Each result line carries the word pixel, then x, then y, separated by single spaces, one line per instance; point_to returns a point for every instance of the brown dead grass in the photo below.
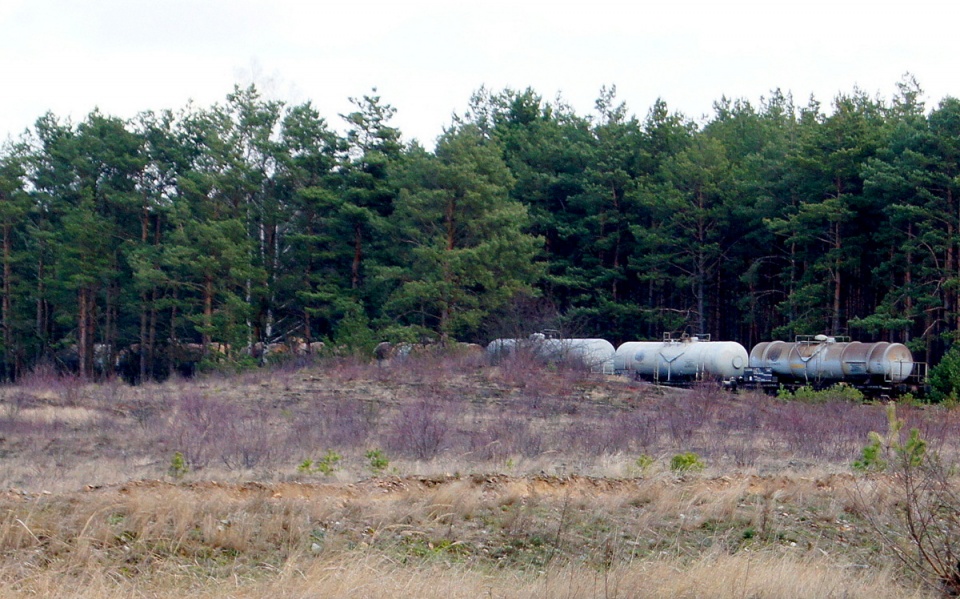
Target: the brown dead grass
pixel 495 536
pixel 364 574
pixel 90 511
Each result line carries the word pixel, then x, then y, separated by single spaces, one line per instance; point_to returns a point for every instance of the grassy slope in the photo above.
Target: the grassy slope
pixel 507 482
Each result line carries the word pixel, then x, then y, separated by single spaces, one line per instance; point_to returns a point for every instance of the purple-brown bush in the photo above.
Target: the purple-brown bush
pixel 427 406
pixel 419 429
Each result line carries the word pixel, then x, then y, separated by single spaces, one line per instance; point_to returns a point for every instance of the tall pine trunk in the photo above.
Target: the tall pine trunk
pixel 8 350
pixel 86 327
pixel 357 258
pixel 207 313
pixel 837 280
pixel 144 236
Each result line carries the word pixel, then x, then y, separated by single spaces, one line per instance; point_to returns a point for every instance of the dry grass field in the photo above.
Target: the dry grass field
pixel 442 478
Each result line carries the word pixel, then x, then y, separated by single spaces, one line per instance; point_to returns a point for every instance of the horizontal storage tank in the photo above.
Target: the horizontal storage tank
pixel 677 360
pixel 498 349
pixel 823 358
pixel 595 354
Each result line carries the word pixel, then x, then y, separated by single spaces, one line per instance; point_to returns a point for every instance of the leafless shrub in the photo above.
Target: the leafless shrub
pixel 828 431
pixel 14 404
pixel 330 422
pixel 198 425
pixel 419 430
pixel 611 432
pixel 13 424
pixel 938 427
pixel 683 419
pixel 45 380
pixel 111 393
pixel 504 435
pixel 523 369
pixel 246 441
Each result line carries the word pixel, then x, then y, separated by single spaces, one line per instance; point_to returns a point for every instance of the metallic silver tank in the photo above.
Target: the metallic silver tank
pixel 823 358
pixel 595 354
pixel 683 359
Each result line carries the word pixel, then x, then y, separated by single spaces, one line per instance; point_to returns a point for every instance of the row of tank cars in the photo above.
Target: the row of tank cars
pixel 819 361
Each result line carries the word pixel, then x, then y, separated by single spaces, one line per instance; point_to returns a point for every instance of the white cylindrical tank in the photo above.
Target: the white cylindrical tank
pixel 823 358
pixel 499 349
pixel 595 354
pixel 681 359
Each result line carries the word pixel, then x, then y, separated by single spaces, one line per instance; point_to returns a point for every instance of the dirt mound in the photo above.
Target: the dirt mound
pixel 490 485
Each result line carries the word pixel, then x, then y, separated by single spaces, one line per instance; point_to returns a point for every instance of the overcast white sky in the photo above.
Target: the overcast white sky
pixel 426 57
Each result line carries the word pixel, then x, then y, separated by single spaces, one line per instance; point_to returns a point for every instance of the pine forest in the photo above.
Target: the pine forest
pixel 255 221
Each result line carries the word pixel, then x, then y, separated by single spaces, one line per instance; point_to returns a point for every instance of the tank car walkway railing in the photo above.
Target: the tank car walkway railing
pixel 685 337
pixel 916 376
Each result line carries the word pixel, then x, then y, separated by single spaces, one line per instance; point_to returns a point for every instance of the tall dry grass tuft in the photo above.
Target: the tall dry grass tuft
pixel 724 576
pixel 588 537
pixel 459 500
pixel 366 575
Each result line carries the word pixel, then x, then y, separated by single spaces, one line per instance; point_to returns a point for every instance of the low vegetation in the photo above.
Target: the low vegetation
pixel 446 477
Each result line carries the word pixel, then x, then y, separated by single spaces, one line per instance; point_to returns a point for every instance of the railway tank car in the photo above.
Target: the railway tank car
pixel 821 361
pixel 595 354
pixel 678 361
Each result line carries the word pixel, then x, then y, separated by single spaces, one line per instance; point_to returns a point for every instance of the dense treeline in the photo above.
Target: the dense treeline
pixel 252 221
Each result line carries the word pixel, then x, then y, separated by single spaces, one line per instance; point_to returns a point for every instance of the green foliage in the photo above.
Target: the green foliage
pixel 235 363
pixel 377 461
pixel 465 252
pixel 178 466
pixel 909 453
pixel 808 394
pixel 914 450
pixel 644 462
pixel 251 220
pixel 944 378
pixel 686 462
pixel 354 332
pixel 909 399
pixel 326 465
pixel 871 460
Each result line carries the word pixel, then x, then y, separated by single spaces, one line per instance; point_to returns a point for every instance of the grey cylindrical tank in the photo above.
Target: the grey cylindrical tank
pixel 499 349
pixel 824 358
pixel 684 359
pixel 595 354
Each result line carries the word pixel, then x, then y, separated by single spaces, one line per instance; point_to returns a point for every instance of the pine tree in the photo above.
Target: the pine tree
pixel 462 247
